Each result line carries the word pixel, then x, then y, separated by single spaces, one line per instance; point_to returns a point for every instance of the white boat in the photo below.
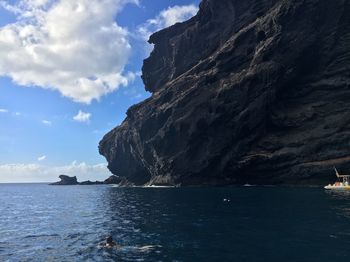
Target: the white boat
pixel 340 185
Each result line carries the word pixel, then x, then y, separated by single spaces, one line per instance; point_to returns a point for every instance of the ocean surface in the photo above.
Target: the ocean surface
pixel 69 223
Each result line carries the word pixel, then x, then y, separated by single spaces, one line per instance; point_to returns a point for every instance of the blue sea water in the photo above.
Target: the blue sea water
pixel 69 223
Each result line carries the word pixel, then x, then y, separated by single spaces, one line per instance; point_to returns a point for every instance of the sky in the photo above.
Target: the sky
pixel 69 70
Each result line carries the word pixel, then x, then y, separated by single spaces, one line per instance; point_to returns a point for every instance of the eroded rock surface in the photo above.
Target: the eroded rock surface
pixel 113 180
pixel 253 91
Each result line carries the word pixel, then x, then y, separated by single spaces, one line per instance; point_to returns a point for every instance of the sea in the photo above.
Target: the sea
pixel 70 223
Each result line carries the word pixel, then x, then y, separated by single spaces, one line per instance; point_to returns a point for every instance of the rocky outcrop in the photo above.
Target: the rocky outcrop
pixel 90 183
pixel 69 181
pixel 66 181
pixel 113 180
pixel 253 91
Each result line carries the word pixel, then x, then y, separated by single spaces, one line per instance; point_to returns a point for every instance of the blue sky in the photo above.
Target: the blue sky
pixel 55 63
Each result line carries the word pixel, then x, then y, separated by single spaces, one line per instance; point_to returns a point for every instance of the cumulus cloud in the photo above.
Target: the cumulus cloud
pixel 74 47
pixel 166 18
pixel 46 122
pixel 2 110
pixel 41 158
pixel 40 173
pixel 82 117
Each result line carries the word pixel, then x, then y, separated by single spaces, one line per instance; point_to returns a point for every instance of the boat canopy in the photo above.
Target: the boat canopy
pixel 338 175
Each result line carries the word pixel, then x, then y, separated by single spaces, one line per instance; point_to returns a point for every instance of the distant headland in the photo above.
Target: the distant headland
pixel 71 181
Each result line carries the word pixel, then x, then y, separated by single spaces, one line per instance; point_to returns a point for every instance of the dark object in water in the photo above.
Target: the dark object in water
pixel 110 243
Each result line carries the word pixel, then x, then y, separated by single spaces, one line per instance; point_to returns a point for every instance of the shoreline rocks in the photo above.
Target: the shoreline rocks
pixel 89 183
pixel 71 181
pixel 113 180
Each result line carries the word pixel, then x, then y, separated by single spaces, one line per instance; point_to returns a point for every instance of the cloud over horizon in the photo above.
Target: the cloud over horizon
pixel 74 47
pixel 40 173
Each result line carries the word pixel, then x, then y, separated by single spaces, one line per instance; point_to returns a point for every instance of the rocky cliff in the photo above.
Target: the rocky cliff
pixel 253 91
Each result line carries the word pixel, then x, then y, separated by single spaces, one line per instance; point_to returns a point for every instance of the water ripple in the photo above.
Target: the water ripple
pixel 42 223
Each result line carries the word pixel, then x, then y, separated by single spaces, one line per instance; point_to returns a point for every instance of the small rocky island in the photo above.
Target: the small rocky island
pixel 72 181
pixel 66 181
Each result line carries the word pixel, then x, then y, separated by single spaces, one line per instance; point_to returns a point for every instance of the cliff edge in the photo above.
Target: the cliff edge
pixel 253 91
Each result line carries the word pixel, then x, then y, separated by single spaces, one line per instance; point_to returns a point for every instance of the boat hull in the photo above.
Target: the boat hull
pixel 337 187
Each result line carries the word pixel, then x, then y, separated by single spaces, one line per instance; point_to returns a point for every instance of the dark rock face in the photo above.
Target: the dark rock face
pixel 69 181
pixel 113 180
pixel 90 183
pixel 66 181
pixel 254 91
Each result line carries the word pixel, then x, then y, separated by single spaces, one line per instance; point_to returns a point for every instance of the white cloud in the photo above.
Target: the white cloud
pixel 46 122
pixel 176 14
pixel 74 47
pixel 41 158
pixel 82 117
pixel 2 110
pixel 40 173
pixel 166 18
